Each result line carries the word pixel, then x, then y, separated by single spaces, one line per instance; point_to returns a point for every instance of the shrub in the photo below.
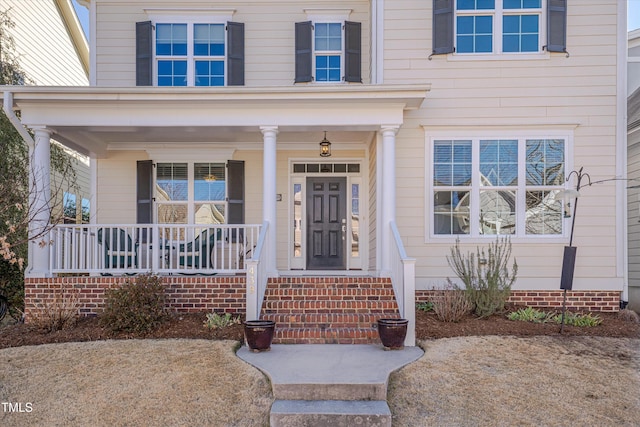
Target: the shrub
pixel 136 306
pixel 486 275
pixel 425 306
pixel 629 315
pixel 216 321
pixel 57 313
pixel 451 303
pixel 529 314
pixel 578 319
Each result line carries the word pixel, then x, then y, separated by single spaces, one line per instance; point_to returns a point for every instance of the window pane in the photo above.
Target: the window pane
pixel 210 213
pixel 497 212
pixel 475 4
pixel 209 181
pixel 520 33
pixel 451 212
pixel 208 39
pixel 545 162
pixel 544 213
pixel 171 39
pixel 297 220
pixel 328 68
pixel 474 34
pixel 209 73
pixel 172 73
pixel 86 209
pixel 355 220
pixel 172 213
pixel 499 162
pixel 171 181
pixel 328 36
pixel 452 163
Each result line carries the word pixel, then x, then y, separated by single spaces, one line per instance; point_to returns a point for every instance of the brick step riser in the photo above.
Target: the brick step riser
pixel 326 336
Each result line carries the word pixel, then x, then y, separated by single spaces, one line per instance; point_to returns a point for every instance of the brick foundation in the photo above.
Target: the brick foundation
pixel 608 301
pixel 184 294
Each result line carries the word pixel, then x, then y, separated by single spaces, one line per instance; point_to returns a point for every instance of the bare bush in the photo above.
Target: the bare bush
pixel 451 303
pixel 57 313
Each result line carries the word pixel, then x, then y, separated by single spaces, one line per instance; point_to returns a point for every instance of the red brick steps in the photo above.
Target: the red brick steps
pixel 328 310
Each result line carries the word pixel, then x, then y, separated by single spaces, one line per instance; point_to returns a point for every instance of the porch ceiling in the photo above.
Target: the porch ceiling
pixel 97 120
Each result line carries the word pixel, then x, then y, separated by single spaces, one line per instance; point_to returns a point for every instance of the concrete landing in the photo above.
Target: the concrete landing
pixel 330 384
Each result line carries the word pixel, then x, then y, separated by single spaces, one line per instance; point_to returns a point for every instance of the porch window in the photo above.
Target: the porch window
pixel 504 186
pixel 209 193
pixel 172 185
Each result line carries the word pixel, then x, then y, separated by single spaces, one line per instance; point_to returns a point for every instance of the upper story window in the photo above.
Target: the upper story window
pixel 499 26
pixel 498 185
pixel 507 26
pixel 328 52
pixel 189 54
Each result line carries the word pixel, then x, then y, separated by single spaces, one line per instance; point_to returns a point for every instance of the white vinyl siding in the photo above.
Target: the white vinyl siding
pixel 41 39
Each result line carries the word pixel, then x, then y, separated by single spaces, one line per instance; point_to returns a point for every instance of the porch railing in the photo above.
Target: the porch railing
pixel 157 248
pixel 403 278
pixel 257 276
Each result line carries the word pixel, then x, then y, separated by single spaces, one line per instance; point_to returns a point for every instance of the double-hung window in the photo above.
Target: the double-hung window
pixel 191 193
pixel 498 26
pixel 328 51
pixel 498 186
pixel 189 53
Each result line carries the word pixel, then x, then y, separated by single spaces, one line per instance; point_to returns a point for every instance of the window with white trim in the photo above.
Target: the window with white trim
pixel 327 52
pixel 498 186
pixel 191 193
pixel 498 26
pixel 190 54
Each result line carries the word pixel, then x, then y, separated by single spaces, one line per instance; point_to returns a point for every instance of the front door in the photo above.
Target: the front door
pixel 326 223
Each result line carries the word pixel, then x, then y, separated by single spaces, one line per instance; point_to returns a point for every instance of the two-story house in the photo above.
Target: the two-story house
pixel 240 149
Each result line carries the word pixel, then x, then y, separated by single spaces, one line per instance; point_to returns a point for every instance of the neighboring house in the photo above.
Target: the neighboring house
pixel 355 141
pixel 633 147
pixel 52 51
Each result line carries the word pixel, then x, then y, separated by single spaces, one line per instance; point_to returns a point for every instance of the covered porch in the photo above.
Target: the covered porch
pixel 215 125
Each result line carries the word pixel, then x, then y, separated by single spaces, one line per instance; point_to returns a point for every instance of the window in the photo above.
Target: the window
pixel 190 53
pixel 191 193
pixel 491 186
pixel 69 208
pixel 507 26
pixel 328 52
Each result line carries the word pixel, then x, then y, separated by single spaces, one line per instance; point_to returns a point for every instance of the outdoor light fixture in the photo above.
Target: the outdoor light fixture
pixel 325 146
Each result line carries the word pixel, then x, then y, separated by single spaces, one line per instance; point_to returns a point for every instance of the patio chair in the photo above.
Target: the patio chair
pixel 120 251
pixel 197 253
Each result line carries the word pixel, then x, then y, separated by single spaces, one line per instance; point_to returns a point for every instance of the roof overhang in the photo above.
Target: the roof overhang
pixel 98 119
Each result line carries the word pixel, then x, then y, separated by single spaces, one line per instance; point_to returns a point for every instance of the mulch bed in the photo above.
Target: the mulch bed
pixel 191 325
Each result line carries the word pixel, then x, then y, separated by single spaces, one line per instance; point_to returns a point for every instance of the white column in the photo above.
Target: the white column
pixel 269 194
pixel 388 213
pixel 39 203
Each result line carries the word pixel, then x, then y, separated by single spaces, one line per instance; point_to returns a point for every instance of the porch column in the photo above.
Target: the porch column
pixel 388 193
pixel 269 194
pixel 40 203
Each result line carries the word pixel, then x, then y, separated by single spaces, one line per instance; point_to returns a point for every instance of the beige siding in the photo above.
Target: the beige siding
pixel 577 93
pixel 116 178
pixel 46 52
pixel 269 36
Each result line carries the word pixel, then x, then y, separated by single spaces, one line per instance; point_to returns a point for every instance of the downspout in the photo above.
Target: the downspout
pixel 7 106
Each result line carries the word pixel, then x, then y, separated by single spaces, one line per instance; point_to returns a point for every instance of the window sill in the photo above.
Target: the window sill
pixel 498 56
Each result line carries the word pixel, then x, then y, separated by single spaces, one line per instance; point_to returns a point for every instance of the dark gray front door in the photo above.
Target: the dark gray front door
pixel 326 223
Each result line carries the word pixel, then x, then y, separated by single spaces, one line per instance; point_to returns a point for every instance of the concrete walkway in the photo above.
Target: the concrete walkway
pixel 333 379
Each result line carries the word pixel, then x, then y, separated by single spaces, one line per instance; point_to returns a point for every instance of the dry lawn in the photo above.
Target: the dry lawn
pixel 133 383
pixel 467 381
pixel 506 381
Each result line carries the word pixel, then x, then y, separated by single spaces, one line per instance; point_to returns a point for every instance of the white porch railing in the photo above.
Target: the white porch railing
pixel 403 278
pixel 156 248
pixel 257 276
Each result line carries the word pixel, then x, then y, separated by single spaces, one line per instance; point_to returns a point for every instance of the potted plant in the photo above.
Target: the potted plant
pixel 392 333
pixel 258 334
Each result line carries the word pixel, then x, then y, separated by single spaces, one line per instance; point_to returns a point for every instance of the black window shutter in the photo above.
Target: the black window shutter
pixel 556 26
pixel 144 193
pixel 442 27
pixel 235 192
pixel 235 60
pixel 144 45
pixel 303 52
pixel 352 52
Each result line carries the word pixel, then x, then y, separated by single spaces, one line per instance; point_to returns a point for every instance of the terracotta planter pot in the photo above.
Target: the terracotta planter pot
pixel 259 334
pixel 392 333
